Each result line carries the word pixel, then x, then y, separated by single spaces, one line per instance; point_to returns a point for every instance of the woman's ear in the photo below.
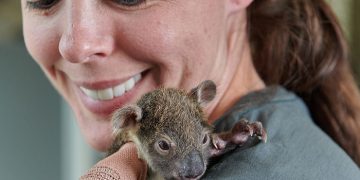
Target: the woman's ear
pixel 237 5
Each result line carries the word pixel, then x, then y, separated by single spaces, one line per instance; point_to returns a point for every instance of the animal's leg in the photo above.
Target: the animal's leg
pixel 237 136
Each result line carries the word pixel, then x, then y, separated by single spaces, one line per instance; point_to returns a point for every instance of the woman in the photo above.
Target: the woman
pixel 101 55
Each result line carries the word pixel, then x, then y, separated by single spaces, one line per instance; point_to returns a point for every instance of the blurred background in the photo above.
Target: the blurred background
pixel 39 138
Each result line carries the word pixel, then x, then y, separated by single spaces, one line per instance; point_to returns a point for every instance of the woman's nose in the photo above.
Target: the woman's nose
pixel 85 36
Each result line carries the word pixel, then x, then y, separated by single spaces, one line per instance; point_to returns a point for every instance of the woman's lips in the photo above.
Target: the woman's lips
pixel 104 101
pixel 113 91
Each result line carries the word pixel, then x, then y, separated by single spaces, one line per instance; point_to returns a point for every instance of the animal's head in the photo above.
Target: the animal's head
pixel 170 130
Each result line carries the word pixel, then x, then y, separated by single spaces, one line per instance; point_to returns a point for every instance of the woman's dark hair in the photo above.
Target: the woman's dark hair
pixel 300 45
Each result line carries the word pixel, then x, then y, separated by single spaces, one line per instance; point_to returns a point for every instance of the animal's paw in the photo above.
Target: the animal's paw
pixel 244 129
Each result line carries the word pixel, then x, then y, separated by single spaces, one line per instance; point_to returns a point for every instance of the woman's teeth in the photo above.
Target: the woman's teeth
pixel 112 92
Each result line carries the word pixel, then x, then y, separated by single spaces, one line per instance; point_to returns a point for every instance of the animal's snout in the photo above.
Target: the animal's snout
pixel 193 166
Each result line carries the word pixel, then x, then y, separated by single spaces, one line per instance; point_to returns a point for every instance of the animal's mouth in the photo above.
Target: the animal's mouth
pixel 186 177
pixel 183 178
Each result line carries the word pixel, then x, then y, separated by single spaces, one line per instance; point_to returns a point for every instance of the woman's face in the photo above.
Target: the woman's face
pixel 102 54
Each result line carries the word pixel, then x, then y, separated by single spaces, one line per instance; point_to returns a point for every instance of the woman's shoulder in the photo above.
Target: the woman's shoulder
pixel 296 147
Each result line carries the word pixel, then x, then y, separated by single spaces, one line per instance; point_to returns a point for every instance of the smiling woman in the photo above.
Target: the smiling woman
pixel 81 54
pixel 104 54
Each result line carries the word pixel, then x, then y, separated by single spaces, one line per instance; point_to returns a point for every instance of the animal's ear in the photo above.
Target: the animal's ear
pixel 204 92
pixel 126 117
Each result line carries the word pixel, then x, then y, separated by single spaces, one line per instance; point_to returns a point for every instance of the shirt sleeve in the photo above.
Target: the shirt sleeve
pixel 296 149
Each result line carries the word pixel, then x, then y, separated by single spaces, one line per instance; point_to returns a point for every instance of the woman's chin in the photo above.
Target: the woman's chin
pixel 97 133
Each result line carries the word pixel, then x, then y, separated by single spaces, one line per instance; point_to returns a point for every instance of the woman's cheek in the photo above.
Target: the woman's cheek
pixel 155 42
pixel 41 42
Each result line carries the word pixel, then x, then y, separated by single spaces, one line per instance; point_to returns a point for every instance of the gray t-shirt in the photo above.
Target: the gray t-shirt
pixel 296 147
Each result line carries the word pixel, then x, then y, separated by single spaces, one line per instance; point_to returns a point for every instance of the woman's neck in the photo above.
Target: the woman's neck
pixel 245 80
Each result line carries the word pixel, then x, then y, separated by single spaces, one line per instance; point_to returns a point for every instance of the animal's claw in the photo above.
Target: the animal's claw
pixel 244 127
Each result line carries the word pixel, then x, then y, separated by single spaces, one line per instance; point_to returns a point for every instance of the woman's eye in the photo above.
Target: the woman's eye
pixel 129 3
pixel 41 4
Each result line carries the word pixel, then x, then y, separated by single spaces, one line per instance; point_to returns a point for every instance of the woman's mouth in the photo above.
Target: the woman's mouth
pixel 104 97
pixel 111 92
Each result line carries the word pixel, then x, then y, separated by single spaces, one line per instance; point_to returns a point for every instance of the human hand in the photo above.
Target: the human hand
pixel 124 164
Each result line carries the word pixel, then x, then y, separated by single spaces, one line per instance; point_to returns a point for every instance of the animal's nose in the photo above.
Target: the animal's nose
pixel 193 176
pixel 193 166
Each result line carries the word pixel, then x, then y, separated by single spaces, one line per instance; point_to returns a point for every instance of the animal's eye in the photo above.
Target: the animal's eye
pixel 205 139
pixel 164 145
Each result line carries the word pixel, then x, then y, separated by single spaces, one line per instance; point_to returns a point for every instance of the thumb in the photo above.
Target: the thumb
pixel 124 164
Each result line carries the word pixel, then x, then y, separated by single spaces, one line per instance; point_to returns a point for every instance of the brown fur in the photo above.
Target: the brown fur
pixel 176 117
pixel 170 114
